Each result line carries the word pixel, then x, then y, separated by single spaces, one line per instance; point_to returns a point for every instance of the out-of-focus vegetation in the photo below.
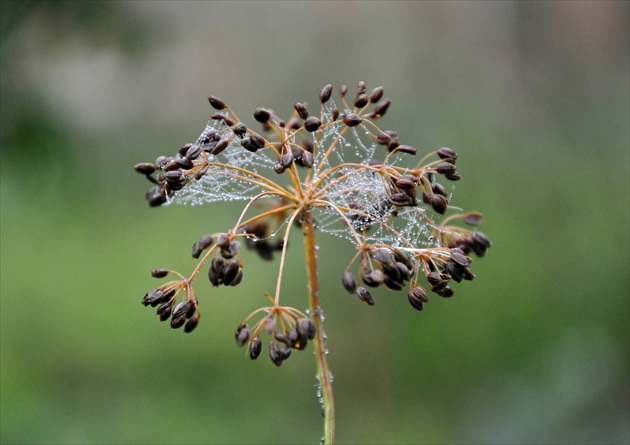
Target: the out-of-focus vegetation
pixel 533 95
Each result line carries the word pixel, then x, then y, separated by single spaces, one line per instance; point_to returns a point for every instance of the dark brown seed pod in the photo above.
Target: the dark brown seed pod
pixel 296 340
pixel 386 137
pixel 408 149
pixel 230 272
pixel 301 110
pixel 255 348
pixel 349 282
pixel 405 183
pixel 278 168
pixel 247 144
pixel 262 115
pixel 381 109
pixel 403 256
pixel 446 292
pixel 193 152
pixel 231 250
pixel 447 153
pixel 191 324
pixel 445 168
pixel 201 245
pixel 393 284
pixel 159 273
pixel 145 168
pixel 221 145
pixel 324 95
pixel 352 120
pixel 482 239
pixel 376 95
pixel 216 103
pixel 275 354
pixel 242 334
pixel 382 255
pixel 178 322
pixel 222 117
pixel 239 129
pixel 238 278
pixel 153 297
pixel 312 124
pixel 453 176
pixel 365 296
pixel 361 101
pixel 404 271
pixel 223 240
pixel 156 196
pixel 439 203
pixel 460 259
pixel 183 149
pixel 257 140
pixel 439 189
pixel 374 278
pixel 306 327
pixel 417 297
pixel 165 312
pixel 473 218
pixel 335 114
pixel 287 160
pixel 307 159
pixel 181 309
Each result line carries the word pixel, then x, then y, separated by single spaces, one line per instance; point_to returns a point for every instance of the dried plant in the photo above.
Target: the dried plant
pixel 314 171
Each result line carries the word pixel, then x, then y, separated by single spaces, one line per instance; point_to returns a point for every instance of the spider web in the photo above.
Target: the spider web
pixel 351 187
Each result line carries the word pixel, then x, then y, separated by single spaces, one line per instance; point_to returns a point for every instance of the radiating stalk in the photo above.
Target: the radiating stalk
pixel 323 372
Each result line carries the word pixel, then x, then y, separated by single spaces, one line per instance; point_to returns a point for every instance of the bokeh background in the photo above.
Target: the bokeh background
pixel 533 95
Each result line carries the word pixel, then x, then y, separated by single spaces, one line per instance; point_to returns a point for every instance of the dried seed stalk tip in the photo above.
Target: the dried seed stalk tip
pixel 312 124
pixel 216 103
pixel 324 96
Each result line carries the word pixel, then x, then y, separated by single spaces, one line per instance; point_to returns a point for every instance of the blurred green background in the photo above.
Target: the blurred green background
pixel 533 95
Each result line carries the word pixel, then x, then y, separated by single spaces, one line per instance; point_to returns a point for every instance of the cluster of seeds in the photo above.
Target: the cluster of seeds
pixel 301 150
pixel 289 329
pixel 185 313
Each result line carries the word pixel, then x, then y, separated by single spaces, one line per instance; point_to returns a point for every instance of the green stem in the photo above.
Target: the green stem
pixel 323 372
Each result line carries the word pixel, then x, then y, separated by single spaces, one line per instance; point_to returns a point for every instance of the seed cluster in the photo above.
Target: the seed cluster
pixel 292 168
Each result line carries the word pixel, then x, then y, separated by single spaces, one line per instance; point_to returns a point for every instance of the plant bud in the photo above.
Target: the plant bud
pixel 262 115
pixel 376 95
pixel 349 282
pixel 417 297
pixel 301 110
pixel 222 117
pixel 352 120
pixel 159 273
pixel 201 245
pixel 381 108
pixel 373 278
pixel 361 101
pixel 365 296
pixel 178 322
pixel 145 168
pixel 482 239
pixel 242 334
pixel 312 124
pixel 220 146
pixel 275 354
pixel 307 159
pixel 216 103
pixel 257 140
pixel 307 328
pixel 439 203
pixel 181 309
pixel 255 348
pixel 343 90
pixel 324 96
pixel 191 324
pixel 287 160
pixel 383 255
pixel 385 137
pixel 406 149
pixel 447 153
pixel 445 168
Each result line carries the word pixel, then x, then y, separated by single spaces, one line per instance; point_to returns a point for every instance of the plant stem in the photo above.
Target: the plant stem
pixel 323 372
